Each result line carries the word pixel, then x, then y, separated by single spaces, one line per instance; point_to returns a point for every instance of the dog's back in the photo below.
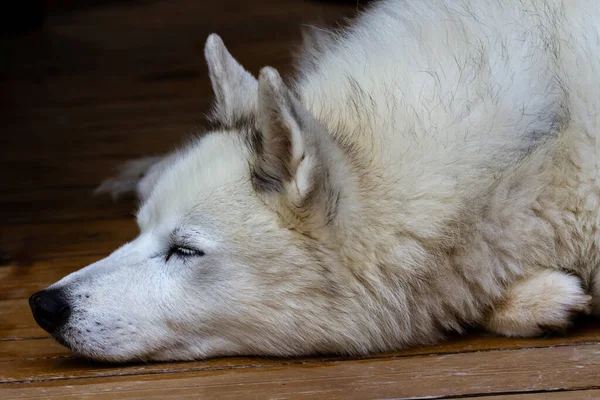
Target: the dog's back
pixel 474 124
pixel 470 81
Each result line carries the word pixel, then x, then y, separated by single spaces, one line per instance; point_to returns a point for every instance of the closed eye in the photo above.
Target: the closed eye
pixel 183 252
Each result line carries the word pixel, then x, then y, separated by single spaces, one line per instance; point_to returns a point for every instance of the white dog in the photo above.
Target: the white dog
pixel 432 167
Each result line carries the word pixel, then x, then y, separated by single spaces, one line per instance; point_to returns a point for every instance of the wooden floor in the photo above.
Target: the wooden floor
pixel 105 83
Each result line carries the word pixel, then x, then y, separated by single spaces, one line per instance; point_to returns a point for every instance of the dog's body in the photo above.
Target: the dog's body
pixel 433 167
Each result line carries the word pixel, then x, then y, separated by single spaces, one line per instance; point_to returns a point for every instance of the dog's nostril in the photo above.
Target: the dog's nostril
pixel 50 309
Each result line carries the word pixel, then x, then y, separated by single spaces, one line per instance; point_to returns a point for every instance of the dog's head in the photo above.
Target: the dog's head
pixel 236 252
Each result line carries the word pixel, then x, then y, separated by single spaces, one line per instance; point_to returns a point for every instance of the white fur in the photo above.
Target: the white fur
pixel 433 167
pixel 543 300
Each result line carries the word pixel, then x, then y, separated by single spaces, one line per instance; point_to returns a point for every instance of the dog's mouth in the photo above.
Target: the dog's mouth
pixel 78 345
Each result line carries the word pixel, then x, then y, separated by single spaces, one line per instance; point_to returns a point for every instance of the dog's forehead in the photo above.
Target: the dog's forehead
pixel 208 177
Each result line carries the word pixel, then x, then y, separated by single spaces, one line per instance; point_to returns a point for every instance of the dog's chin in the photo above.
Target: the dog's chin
pixel 177 354
pixel 93 353
pixel 198 349
pixel 116 354
pixel 101 350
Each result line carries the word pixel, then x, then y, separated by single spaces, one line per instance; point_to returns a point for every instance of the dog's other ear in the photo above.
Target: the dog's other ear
pixel 290 170
pixel 315 42
pixel 235 88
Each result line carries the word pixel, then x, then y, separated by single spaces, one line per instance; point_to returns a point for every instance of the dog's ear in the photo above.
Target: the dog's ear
pixel 289 168
pixel 234 87
pixel 315 42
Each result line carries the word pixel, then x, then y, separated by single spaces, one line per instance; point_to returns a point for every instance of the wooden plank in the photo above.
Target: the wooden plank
pixel 17 321
pixel 142 139
pixel 173 37
pixel 42 348
pixel 593 394
pixel 24 243
pixel 177 82
pixel 66 204
pixel 556 368
pixel 58 173
pixel 61 367
pixel 21 280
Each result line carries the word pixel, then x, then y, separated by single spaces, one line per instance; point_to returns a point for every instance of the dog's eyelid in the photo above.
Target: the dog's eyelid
pixel 183 251
pixel 188 250
pixel 192 239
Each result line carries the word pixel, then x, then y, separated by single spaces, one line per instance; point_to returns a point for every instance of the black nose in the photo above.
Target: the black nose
pixel 50 309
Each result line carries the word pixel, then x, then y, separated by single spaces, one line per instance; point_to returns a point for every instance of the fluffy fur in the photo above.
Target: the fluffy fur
pixel 432 167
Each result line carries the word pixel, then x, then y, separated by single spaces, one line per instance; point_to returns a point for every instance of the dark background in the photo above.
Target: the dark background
pixel 87 85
